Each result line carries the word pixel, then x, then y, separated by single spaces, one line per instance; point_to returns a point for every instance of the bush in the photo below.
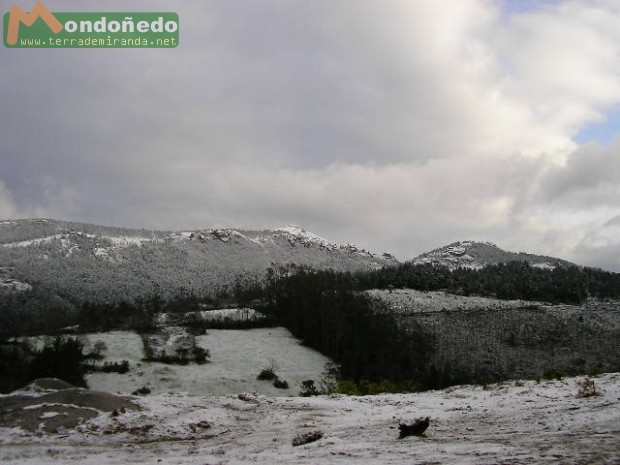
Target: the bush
pixel 587 388
pixel 267 374
pixel 329 378
pixel 144 390
pixel 115 367
pixel 61 357
pixel 378 387
pixel 348 387
pixel 309 389
pixel 597 370
pixel 200 354
pixel 554 374
pixel 280 383
pixel 98 351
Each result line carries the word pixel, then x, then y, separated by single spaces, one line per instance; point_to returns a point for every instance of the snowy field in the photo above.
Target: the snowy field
pixel 411 301
pixel 512 423
pixel 237 356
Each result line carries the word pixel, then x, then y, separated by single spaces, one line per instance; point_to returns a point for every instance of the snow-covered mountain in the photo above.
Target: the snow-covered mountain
pixel 108 263
pixel 471 254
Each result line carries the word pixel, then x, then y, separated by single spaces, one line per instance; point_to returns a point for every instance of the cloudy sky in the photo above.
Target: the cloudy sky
pixel 396 125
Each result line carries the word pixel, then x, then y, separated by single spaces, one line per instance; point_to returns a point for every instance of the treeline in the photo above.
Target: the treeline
pixel 513 280
pixel 328 310
pixel 34 312
pixel 39 312
pixel 328 313
pixel 61 357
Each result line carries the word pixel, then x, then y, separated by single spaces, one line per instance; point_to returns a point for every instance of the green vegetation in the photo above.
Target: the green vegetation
pixel 327 313
pixel 61 357
pixel 513 280
pixel 328 310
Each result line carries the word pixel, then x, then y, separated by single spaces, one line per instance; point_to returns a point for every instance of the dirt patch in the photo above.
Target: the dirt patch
pixel 59 409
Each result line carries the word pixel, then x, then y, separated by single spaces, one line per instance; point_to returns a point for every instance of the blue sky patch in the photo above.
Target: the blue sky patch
pixel 603 132
pixel 523 6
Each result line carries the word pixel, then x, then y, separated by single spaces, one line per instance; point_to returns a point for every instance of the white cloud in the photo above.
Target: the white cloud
pixel 399 125
pixel 7 207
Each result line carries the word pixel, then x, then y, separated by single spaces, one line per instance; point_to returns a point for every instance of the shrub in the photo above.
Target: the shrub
pixel 98 351
pixel 182 356
pixel 144 390
pixel 329 378
pixel 61 357
pixel 587 388
pixel 309 389
pixel 267 374
pixel 200 354
pixel 554 374
pixel 378 387
pixel 348 387
pixel 115 367
pixel 597 370
pixel 280 383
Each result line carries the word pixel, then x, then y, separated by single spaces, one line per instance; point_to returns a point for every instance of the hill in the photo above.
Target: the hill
pixel 476 255
pixel 82 261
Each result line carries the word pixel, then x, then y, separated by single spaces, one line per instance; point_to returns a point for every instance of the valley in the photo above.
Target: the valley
pixel 513 357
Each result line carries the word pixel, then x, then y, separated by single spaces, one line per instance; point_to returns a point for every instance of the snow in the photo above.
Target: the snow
pixel 126 241
pixel 410 301
pixel 67 241
pixel 215 315
pixel 232 314
pixel 13 285
pixel 46 415
pixel 41 240
pixel 237 356
pixel 299 234
pixel 181 235
pixel 545 266
pixel 100 252
pixel 303 235
pixel 509 423
pixel 477 255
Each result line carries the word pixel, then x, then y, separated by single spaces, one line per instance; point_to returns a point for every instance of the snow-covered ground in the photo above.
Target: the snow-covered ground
pixel 411 301
pixel 512 423
pixel 221 315
pixel 237 357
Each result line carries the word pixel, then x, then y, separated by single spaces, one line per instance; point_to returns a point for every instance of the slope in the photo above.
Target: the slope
pixel 81 261
pixel 471 254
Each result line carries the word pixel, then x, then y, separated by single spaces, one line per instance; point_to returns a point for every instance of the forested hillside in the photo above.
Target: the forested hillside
pixel 80 262
pixel 90 278
pixel 463 340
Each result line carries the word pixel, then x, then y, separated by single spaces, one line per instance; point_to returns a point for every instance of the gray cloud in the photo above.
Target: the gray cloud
pixel 590 178
pixel 397 127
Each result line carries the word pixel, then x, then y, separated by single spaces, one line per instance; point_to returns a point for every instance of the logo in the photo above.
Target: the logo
pixel 43 29
pixel 17 15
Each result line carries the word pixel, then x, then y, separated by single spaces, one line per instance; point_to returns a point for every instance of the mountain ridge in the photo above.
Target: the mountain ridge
pixel 110 263
pixel 477 255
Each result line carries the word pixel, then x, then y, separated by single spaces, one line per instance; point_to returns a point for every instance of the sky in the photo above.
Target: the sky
pixel 398 126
